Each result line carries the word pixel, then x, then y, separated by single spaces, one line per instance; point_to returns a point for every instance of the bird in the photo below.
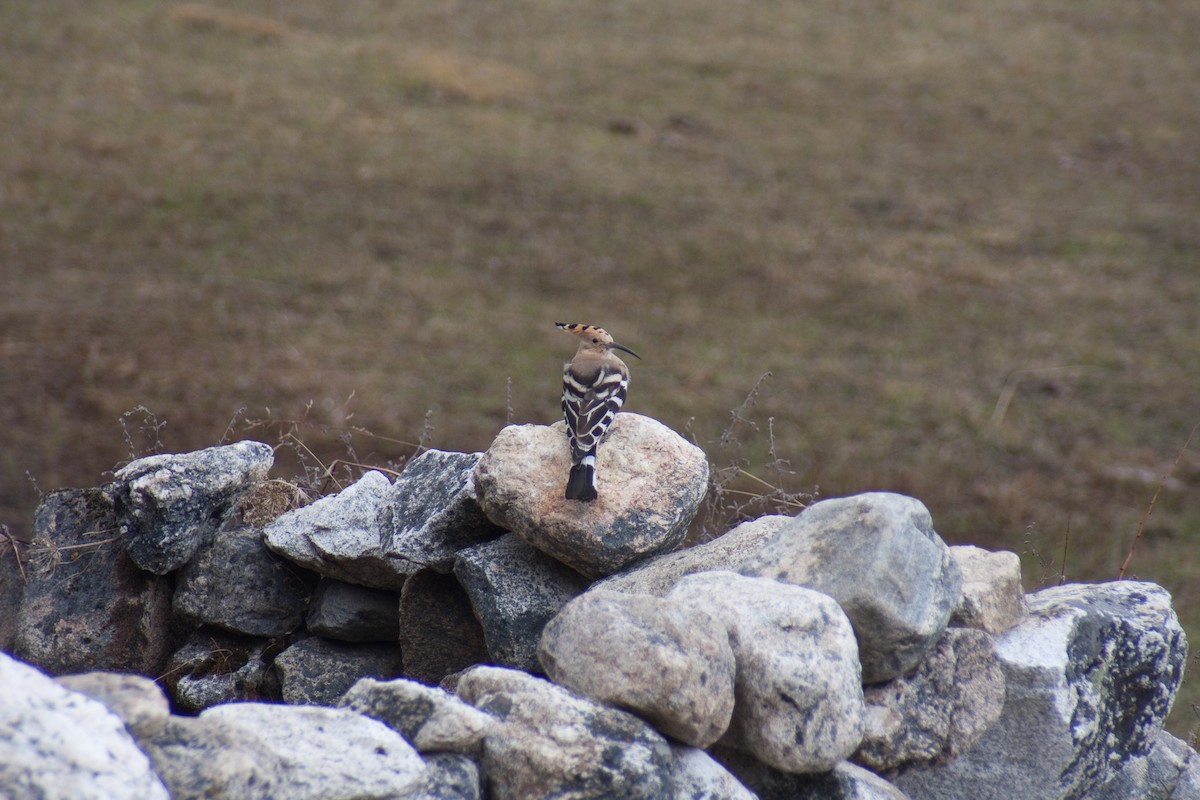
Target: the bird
pixel 594 385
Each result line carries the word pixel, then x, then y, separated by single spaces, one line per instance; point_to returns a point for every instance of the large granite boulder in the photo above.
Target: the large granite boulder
pixel 667 661
pixel 878 555
pixel 1091 674
pixel 798 688
pixel 650 481
pixel 169 506
pixel 59 744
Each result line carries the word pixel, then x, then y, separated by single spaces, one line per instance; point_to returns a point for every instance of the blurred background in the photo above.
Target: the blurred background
pixel 962 237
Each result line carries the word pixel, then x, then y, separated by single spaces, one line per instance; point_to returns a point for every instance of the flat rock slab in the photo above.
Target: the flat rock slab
pixel 87 605
pixel 56 743
pixel 342 536
pixel 1090 674
pixel 668 662
pixel 169 506
pixel 549 742
pixel 650 482
pixel 434 512
pixel 878 555
pixel 258 751
pixel 729 551
pixel 236 583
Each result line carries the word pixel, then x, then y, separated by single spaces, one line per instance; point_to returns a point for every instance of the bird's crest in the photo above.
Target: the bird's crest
pixel 585 331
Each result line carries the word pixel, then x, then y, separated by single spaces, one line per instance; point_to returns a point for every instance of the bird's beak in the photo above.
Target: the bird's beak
pixel 625 349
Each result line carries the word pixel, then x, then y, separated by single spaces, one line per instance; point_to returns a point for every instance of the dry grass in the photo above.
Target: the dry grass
pixel 962 237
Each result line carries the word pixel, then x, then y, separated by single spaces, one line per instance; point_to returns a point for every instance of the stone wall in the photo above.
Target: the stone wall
pixel 195 629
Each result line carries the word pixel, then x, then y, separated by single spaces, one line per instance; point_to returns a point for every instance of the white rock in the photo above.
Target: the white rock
pixel 56 744
pixel 878 556
pixel 1091 674
pixel 666 661
pixel 799 699
pixel 258 750
pixel 697 776
pixel 993 599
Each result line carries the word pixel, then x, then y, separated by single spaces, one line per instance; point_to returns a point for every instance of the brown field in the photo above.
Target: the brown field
pixel 964 238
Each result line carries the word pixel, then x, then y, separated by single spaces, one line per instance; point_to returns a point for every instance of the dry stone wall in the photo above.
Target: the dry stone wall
pixel 462 631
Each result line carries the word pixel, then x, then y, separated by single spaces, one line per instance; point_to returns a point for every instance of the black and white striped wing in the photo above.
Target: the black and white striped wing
pixel 590 403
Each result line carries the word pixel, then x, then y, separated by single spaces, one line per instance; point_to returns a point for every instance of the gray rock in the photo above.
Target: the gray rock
pixel 666 661
pixel 169 506
pixel 139 702
pixel 448 777
pixel 799 700
pixel 318 672
pixel 439 633
pixel 695 775
pixel 993 599
pixel 940 710
pixel 13 554
pixel 431 719
pixel 729 551
pixel 352 613
pixel 550 742
pixel 87 606
pixel 650 481
pixel 878 556
pixel 256 751
pixel 1170 771
pixel 236 583
pixel 214 667
pixel 515 590
pixel 60 745
pixel 845 781
pixel 434 512
pixel 342 536
pixel 1091 674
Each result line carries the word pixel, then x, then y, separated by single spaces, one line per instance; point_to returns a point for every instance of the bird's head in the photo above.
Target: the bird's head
pixel 593 338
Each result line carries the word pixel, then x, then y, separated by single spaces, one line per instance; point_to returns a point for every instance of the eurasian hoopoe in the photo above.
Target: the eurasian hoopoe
pixel 594 385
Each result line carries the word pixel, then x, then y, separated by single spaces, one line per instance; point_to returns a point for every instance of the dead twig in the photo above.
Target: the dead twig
pixel 1141 528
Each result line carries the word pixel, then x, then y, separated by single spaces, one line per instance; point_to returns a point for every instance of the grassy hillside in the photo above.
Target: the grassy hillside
pixel 963 238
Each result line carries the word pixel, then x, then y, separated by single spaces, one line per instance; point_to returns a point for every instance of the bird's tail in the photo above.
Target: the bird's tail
pixel 582 483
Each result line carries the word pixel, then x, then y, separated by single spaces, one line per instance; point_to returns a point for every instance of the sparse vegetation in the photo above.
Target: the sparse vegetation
pixel 962 237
